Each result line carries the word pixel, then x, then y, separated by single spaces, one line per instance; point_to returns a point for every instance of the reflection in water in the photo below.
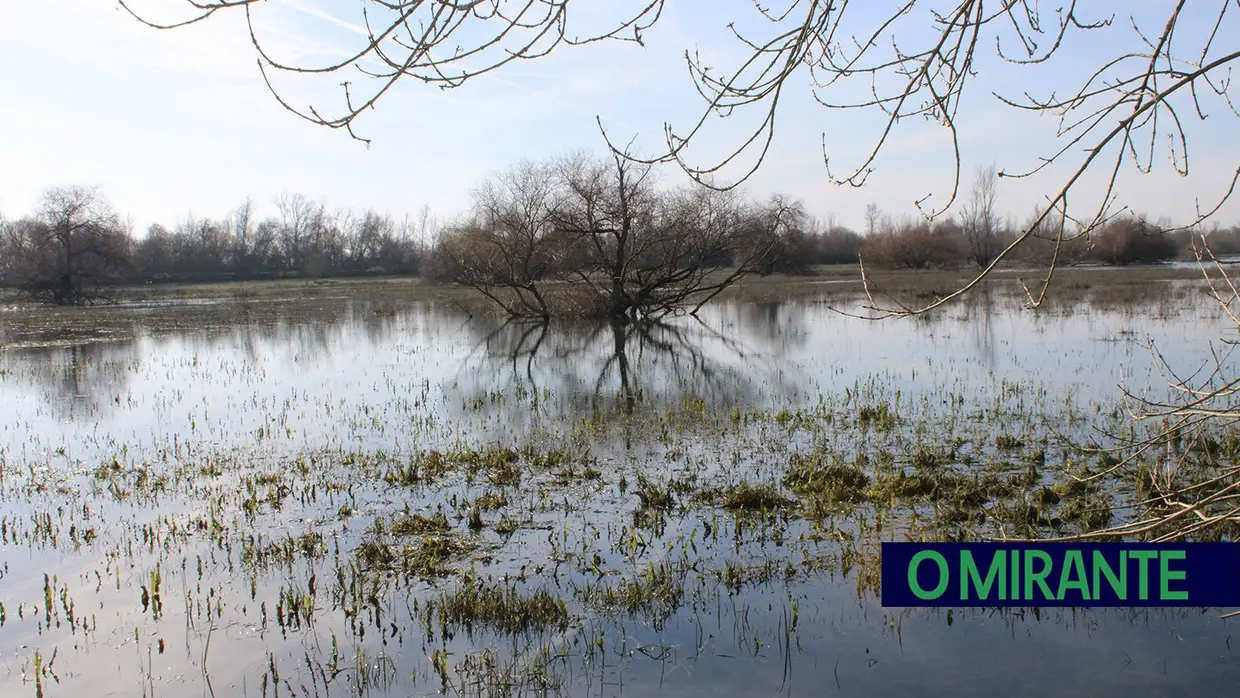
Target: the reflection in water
pixel 980 309
pixel 605 372
pixel 607 368
pixel 270 383
pixel 76 381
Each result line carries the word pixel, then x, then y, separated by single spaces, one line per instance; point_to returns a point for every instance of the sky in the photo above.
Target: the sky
pixel 176 123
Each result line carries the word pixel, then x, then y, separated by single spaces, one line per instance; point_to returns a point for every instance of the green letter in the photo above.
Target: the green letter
pixel 1167 575
pixel 1144 580
pixel 1039 577
pixel 969 571
pixel 1015 593
pixel 1074 565
pixel 943 575
pixel 1118 584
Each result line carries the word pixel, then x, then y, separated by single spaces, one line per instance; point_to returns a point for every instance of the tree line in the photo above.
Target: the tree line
pixel 604 223
pixel 950 243
pixel 75 245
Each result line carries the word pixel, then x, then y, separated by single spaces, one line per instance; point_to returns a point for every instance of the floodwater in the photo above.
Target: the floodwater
pixel 189 497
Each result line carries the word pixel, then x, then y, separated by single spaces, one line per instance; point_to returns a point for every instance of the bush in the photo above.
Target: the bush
pixel 915 246
pixel 1132 240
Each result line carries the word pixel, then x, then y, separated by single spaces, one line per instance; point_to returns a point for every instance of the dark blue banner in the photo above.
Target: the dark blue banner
pixel 1061 574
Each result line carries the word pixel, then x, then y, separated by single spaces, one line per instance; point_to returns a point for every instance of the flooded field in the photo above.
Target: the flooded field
pixel 330 496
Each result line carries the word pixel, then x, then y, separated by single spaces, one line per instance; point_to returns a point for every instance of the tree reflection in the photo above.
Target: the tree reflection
pixel 612 371
pixel 979 311
pixel 79 379
pixel 81 369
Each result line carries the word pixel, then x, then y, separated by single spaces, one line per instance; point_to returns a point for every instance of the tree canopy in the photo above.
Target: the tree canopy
pixel 598 236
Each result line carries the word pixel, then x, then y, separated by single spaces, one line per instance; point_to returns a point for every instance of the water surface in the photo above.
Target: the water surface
pixel 170 446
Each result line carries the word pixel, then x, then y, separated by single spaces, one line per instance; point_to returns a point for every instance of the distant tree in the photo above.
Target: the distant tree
pixel 916 245
pixel 798 248
pixel 300 224
pixel 74 247
pixel 1131 240
pixel 242 255
pixel 1223 241
pixel 425 229
pixel 205 249
pixel 778 232
pixel 873 219
pixel 1051 238
pixel 837 245
pixel 980 222
pixel 266 259
pixel 7 241
pixel 155 255
pixel 4 250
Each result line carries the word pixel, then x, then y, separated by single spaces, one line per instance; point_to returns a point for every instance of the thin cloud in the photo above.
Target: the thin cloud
pixel 325 16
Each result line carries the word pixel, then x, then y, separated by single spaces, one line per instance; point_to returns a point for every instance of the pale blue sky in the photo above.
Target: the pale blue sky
pixel 170 123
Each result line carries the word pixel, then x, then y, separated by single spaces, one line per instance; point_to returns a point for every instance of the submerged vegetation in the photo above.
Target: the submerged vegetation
pixel 398 510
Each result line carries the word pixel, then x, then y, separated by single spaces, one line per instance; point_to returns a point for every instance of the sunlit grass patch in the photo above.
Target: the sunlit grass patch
pixel 412 545
pixel 653 495
pixel 477 604
pixel 746 496
pixel 658 591
pixel 826 476
pixel 418 525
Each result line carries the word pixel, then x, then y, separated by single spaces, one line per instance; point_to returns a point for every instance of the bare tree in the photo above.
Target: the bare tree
pixel 6 251
pixel 365 235
pixel 302 225
pixel 646 252
pixel 242 225
pixel 609 210
pixel 74 247
pixel 981 217
pixel 426 229
pixel 873 219
pixel 506 250
pixel 597 236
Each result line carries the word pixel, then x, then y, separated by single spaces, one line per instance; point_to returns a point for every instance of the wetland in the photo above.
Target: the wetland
pixel 375 489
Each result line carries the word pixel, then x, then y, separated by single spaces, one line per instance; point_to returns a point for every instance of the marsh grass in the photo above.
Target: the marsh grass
pixel 408 525
pixel 877 417
pixel 477 604
pixel 260 553
pixel 500 466
pixel 826 477
pixel 488 672
pixel 1007 442
pixel 653 495
pixel 656 592
pixel 746 496
pixel 412 545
